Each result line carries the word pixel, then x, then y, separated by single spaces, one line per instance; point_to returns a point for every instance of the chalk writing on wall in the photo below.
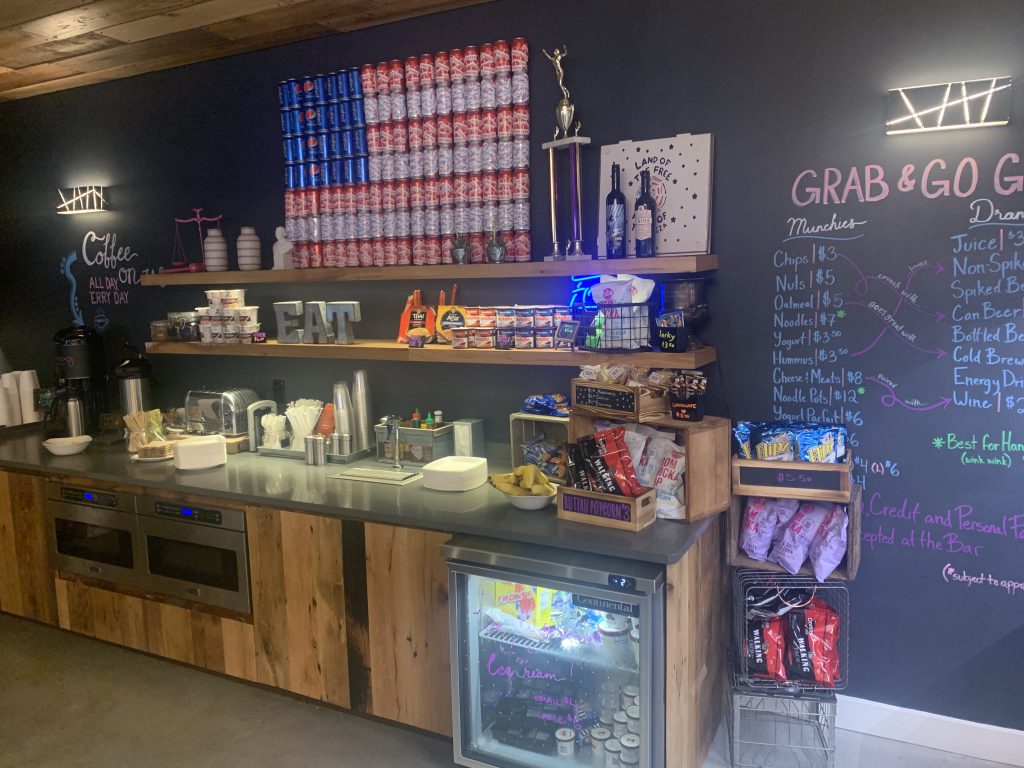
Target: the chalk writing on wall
pixel 108 274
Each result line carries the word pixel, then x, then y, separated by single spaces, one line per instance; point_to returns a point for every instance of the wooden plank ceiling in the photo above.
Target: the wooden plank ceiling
pixel 52 45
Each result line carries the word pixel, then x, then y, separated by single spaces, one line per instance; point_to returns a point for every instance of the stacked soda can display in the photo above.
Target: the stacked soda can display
pixel 447 154
pixel 324 125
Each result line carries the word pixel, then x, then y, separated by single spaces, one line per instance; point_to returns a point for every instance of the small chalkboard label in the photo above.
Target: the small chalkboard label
pixel 600 397
pixel 813 479
pixel 565 334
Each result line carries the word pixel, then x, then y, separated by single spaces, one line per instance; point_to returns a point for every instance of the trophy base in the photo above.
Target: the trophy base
pixel 578 257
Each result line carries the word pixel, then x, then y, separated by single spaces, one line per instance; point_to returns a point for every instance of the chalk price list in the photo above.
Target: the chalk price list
pixel 811 377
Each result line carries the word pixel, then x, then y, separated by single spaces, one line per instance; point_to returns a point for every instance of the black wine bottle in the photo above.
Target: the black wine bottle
pixel 615 215
pixel 644 214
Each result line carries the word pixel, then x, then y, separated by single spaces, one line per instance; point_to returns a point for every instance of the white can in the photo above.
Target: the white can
pixel 431 162
pixel 387 167
pixel 416 164
pixel 488 93
pixel 505 155
pixel 398 111
pixel 566 740
pixel 363 225
pixel 376 224
pixel 417 222
pixel 414 103
pixel 443 99
pixel 383 107
pixel 458 102
pixel 445 161
pixel 521 153
pixel 503 90
pixel 520 88
pixel 620 724
pixel 401 165
pixel 428 101
pixel 520 214
pixel 447 220
pixel 472 95
pixel 433 222
pixel 629 692
pixel 402 222
pixel 374 163
pixel 476 158
pixel 371 108
pixel 489 156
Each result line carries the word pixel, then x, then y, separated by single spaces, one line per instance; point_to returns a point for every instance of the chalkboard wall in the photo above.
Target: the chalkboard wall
pixel 915 345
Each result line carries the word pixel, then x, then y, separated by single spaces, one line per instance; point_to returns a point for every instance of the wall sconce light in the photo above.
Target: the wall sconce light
pixel 949 106
pixel 91 199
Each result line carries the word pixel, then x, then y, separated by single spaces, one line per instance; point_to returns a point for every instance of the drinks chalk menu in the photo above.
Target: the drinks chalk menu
pixel 898 308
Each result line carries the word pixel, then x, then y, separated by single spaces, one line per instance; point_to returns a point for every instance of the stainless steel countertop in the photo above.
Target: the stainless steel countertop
pixel 290 484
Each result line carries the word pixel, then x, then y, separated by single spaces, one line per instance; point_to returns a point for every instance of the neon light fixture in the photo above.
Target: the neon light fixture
pixel 949 106
pixel 90 199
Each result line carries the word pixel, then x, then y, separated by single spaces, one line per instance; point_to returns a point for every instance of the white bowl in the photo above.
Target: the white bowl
pixel 67 446
pixel 530 502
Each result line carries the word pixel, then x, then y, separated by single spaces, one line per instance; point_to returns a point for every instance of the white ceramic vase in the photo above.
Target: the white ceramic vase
pixel 249 249
pixel 215 251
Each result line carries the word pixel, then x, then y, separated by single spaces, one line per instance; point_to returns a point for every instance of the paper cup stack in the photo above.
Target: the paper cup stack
pixel 249 249
pixel 215 251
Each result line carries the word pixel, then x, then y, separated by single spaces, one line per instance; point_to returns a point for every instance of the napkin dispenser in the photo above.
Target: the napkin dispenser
pixel 254 414
pixel 209 412
pixel 200 452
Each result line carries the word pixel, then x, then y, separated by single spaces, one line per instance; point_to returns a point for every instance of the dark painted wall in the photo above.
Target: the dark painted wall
pixel 783 87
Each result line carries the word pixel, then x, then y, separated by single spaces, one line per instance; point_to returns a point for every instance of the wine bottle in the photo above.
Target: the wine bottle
pixel 615 213
pixel 644 213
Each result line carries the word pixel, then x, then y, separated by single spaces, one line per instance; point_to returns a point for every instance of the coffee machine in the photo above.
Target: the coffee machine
pixel 80 382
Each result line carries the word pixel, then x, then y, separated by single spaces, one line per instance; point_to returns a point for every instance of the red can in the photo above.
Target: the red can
pixel 502 56
pixel 504 185
pixel 374 197
pixel 313 201
pixel 520 54
pixel 442 67
pixel 520 184
pixel 419 251
pixel 300 255
pixel 460 128
pixel 387 143
pixel 476 248
pixel 431 194
pixel 446 190
pixel 377 252
pixel 473 125
pixel 416 133
pixel 387 195
pixel 487 59
pixel 521 120
pixel 403 251
pixel 365 253
pixel 383 78
pixel 426 69
pixel 456 65
pixel 390 252
pixel 433 254
pixel 471 61
pixel 373 144
pixel 399 135
pixel 331 253
pixel 460 185
pixel 292 202
pixel 521 245
pixel 503 123
pixel 396 75
pixel 430 126
pixel 351 253
pixel 348 198
pixel 446 249
pixel 402 194
pixel 489 181
pixel 362 197
pixel 488 124
pixel 316 255
pixel 334 199
pixel 475 188
pixel 368 77
pixel 417 194
pixel 445 130
pixel 412 72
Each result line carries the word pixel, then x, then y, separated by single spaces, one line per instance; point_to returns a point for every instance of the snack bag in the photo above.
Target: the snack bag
pixel 671 499
pixel 616 455
pixel 829 545
pixel 791 549
pixel 761 521
pixel 764 649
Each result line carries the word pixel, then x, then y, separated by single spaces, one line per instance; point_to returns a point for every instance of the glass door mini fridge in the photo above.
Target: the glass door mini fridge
pixel 557 657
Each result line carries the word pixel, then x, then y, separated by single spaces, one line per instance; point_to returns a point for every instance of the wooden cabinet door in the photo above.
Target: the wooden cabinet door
pixel 298 603
pixel 407 601
pixel 202 639
pixel 26 576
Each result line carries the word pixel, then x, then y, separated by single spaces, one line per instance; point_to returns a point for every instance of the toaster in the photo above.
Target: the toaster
pixel 209 412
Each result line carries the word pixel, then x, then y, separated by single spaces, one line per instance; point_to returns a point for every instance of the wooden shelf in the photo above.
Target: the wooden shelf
pixel 662 265
pixel 435 353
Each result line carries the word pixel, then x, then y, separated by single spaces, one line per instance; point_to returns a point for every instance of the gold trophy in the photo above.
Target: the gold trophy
pixel 565 113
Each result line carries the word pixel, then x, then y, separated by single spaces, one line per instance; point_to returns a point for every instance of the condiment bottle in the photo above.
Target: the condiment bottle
pixel 428 423
pixel 438 418
pixel 415 421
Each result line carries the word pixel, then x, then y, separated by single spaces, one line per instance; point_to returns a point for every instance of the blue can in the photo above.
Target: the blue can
pixel 331 86
pixel 286 121
pixel 291 175
pixel 294 152
pixel 291 121
pixel 348 170
pixel 362 169
pixel 287 93
pixel 358 141
pixel 339 144
pixel 358 113
pixel 315 147
pixel 314 89
pixel 301 175
pixel 337 171
pixel 326 179
pixel 334 122
pixel 355 85
pixel 314 173
pixel 314 119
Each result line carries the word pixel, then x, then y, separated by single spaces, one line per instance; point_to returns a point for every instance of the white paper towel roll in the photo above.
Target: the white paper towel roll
pixel 9 385
pixel 28 381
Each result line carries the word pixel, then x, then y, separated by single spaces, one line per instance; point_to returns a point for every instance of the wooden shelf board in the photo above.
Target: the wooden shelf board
pixel 389 350
pixel 662 265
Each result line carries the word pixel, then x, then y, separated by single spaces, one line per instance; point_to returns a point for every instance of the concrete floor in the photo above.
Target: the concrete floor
pixel 73 702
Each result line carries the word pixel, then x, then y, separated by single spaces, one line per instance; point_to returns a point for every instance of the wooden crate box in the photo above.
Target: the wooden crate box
pixel 793 479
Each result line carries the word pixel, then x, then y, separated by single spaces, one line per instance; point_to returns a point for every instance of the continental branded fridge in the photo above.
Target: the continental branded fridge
pixel 557 657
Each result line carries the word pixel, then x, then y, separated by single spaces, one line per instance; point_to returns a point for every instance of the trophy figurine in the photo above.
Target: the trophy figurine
pixel 565 113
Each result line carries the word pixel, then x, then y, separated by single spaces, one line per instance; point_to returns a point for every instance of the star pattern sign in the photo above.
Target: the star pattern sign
pixel 683 220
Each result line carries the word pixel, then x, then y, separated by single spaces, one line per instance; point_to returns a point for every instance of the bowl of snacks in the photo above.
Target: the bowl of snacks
pixel 526 487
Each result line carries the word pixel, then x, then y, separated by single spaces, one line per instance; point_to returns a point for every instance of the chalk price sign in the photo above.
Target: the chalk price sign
pixel 825 480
